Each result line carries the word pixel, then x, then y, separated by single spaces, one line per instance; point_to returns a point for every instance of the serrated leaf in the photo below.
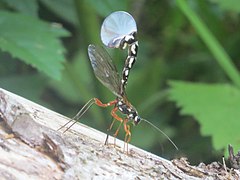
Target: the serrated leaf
pixel 215 106
pixel 75 78
pixel 64 8
pixel 29 7
pixel 33 41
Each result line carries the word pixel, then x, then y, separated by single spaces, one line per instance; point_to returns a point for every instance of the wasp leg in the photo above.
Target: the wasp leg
pixel 127 135
pixel 84 109
pixel 110 127
pixel 99 103
pixel 116 117
pixel 80 113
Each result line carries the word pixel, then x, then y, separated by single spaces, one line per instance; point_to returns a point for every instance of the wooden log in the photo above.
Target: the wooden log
pixel 32 148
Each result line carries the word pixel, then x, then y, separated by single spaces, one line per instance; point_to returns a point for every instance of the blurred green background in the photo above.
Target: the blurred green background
pixel 43 57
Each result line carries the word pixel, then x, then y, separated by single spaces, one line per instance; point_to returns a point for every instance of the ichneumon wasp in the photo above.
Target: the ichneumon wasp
pixel 118 31
pixel 107 74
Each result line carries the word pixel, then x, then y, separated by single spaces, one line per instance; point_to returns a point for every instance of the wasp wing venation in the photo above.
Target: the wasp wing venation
pixel 104 69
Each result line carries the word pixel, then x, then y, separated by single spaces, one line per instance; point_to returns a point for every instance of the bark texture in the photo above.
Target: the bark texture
pixel 32 148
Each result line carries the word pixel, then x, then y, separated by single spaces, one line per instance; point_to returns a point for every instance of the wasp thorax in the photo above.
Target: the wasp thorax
pixel 128 110
pixel 128 40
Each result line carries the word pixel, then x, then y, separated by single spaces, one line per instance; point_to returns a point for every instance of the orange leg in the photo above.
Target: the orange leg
pixel 110 127
pixel 127 135
pixel 116 117
pixel 126 128
pixel 99 103
pixel 85 108
pixel 113 113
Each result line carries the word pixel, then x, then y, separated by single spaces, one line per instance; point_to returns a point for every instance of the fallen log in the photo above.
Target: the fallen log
pixel 32 148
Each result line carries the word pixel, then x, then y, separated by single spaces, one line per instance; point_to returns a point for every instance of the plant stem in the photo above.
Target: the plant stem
pixel 211 42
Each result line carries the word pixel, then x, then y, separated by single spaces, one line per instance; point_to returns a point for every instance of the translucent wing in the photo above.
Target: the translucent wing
pixel 115 27
pixel 104 68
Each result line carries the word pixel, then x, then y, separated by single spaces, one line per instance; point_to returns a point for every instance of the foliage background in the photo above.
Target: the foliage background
pixel 43 57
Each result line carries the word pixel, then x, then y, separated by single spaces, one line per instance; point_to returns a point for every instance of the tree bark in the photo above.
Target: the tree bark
pixel 32 148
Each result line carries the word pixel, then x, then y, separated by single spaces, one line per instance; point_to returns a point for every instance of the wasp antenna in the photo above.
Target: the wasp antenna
pixel 80 113
pixel 158 129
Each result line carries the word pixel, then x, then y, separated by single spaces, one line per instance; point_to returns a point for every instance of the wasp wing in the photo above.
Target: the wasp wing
pixel 104 69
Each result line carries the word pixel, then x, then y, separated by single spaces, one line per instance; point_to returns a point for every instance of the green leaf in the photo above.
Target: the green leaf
pixel 211 42
pixel 215 106
pixel 229 5
pixel 63 8
pixel 29 7
pixel 75 78
pixel 33 41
